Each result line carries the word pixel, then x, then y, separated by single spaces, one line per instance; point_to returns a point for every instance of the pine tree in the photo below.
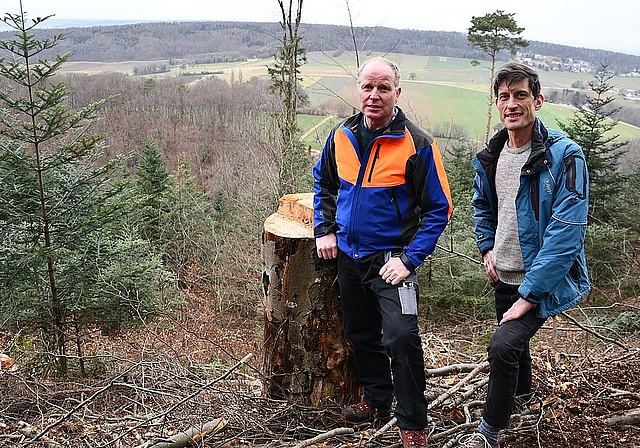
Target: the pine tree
pixel 491 34
pixel 591 126
pixel 153 182
pixel 71 260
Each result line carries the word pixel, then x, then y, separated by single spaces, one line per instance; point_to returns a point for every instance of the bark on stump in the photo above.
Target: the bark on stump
pixel 307 357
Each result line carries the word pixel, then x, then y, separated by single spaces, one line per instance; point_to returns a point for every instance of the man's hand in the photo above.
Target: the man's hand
pixel 518 309
pixel 327 246
pixel 490 266
pixel 394 271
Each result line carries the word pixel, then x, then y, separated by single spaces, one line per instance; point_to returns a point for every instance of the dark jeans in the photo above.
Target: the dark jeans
pixel 509 358
pixel 385 341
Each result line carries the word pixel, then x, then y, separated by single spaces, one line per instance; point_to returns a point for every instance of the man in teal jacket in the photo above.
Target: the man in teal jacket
pixel 530 216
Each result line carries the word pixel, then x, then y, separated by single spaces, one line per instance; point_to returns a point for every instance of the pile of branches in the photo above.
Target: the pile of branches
pixel 161 402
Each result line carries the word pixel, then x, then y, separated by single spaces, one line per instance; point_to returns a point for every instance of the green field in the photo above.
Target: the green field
pixel 437 91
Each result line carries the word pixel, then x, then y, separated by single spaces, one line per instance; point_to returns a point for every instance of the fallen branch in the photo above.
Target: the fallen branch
pixel 624 393
pixel 445 396
pixel 185 399
pixel 479 385
pixel 83 403
pixel 631 418
pixel 595 333
pixel 190 436
pixel 451 369
pixel 454 430
pixel 29 431
pixel 438 401
pixel 324 436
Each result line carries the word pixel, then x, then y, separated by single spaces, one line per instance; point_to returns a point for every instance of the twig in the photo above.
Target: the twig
pixel 458 254
pixel 438 401
pixel 76 408
pixel 28 431
pixel 593 332
pixel 184 400
pixel 324 436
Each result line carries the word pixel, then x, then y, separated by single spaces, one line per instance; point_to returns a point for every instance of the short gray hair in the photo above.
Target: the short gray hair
pixel 391 64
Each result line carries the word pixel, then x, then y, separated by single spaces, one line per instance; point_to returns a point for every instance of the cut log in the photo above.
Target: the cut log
pixel 307 357
pixel 192 436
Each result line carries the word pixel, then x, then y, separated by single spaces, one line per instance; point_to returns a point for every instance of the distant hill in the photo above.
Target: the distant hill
pixel 230 41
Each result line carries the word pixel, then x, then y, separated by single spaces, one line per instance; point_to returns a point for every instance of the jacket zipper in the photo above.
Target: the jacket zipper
pixel 535 197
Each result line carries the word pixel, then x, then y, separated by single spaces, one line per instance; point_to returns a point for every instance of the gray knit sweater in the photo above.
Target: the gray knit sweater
pixel 506 250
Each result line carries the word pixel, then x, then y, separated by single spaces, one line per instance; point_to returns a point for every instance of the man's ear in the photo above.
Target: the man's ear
pixel 538 102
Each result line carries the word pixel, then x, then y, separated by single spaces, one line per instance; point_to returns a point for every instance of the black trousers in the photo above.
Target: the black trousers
pixel 509 358
pixel 383 330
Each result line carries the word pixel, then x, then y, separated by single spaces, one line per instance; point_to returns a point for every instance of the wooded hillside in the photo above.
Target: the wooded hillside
pixel 230 41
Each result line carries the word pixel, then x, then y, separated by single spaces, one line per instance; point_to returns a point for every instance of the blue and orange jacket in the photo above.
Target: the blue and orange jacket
pixel 392 196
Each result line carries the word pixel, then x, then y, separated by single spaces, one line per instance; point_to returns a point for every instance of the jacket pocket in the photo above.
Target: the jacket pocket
pixel 376 156
pixel 394 200
pixel 571 176
pixel 574 272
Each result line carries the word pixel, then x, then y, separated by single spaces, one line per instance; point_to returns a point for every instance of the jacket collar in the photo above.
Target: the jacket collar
pixel 396 126
pixel 539 143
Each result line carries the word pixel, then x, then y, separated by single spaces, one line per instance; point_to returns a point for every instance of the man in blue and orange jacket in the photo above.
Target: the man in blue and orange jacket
pixel 381 202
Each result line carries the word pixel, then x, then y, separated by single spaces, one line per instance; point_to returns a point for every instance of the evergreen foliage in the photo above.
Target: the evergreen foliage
pixel 613 230
pixel 184 224
pixel 71 258
pixel 590 127
pixel 153 187
pixel 456 284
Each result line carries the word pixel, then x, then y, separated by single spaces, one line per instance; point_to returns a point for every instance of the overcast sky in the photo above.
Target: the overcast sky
pixel 607 25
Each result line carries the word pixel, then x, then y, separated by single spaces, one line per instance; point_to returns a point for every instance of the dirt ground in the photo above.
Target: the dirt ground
pixel 203 367
pixel 582 382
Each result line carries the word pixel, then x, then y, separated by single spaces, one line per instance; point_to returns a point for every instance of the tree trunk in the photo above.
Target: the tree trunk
pixel 307 357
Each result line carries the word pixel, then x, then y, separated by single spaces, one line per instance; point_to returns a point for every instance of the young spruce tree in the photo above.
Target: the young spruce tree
pixel 592 127
pixel 71 260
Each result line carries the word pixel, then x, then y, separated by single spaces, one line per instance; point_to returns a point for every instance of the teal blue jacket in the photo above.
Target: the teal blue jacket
pixel 552 207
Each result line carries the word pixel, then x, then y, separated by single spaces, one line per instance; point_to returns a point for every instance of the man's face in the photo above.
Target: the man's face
pixel 378 94
pixel 517 106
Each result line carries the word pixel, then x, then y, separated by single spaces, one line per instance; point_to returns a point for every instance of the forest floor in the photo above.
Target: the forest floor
pixel 202 369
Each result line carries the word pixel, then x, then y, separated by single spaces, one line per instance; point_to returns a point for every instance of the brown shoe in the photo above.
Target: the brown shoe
pixel 476 440
pixel 413 438
pixel 362 412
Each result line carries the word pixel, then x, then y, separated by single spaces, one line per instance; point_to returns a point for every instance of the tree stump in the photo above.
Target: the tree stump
pixel 307 357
